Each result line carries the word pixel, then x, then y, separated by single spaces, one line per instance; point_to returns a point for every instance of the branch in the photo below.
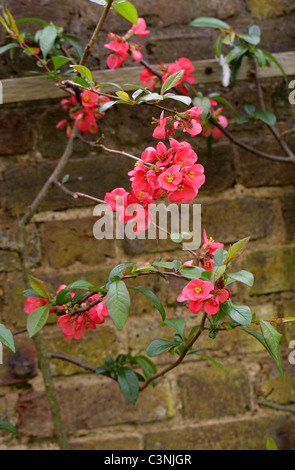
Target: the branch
pixel 189 344
pixel 76 194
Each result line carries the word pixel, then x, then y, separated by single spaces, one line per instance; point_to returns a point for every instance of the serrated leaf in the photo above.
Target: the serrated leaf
pixel 127 10
pixel 118 303
pixel 128 383
pixel 159 346
pixel 37 319
pixel 171 81
pixel 209 22
pixel 153 298
pixel 6 337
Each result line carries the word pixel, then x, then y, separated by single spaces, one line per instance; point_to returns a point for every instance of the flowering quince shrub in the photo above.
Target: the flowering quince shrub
pixel 166 170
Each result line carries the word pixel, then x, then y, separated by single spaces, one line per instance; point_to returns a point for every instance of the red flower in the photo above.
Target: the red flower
pixel 149 79
pixel 181 64
pixel 139 29
pixel 89 99
pixel 120 49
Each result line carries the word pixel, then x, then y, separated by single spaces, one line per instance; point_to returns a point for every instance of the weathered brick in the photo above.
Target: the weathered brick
pixel 66 242
pixel 20 366
pixel 216 393
pixel 10 261
pixel 89 406
pixel 219 168
pixel 246 434
pixel 261 9
pixel 12 121
pixel 273 269
pixel 271 385
pixel 231 220
pixel 288 215
pixel 103 443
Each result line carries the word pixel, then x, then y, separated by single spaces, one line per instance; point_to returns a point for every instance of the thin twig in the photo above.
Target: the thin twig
pixel 276 406
pixel 75 194
pixel 189 344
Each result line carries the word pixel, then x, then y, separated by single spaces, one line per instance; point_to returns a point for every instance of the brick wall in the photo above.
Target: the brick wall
pixel 197 406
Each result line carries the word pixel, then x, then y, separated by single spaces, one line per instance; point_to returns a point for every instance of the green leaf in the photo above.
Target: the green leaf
pixel 159 346
pixel 6 337
pixel 183 99
pixel 118 303
pixel 177 325
pixel 236 250
pixel 107 105
pixel 274 60
pixel 84 71
pixel 119 270
pixel 249 108
pixel 164 264
pixel 209 22
pixel 176 237
pixel 100 2
pixel 39 287
pixel 216 363
pixel 81 81
pixel 32 293
pixel 261 59
pixel 204 103
pixel 192 272
pixel 31 20
pixel 253 39
pixel 239 313
pixel 172 81
pixel 127 10
pixel 243 276
pixel 217 272
pixel 7 47
pixel 235 66
pixel 37 319
pixel 59 61
pixel 128 383
pixel 254 29
pixel 147 365
pixel 217 45
pixel 153 298
pixel 47 38
pixel 150 97
pixel 270 444
pixel 65 178
pixel 6 426
pixel 272 338
pixel 267 117
pixel 219 256
pixel 81 284
pixel 235 53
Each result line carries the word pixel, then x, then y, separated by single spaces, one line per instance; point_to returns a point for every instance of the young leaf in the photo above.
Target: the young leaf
pixel 274 60
pixel 127 10
pixel 236 250
pixel 119 270
pixel 216 363
pixel 37 319
pixel 253 39
pixel 164 264
pixel 219 256
pixel 81 284
pixel 270 444
pixel 107 105
pixel 6 337
pixel 172 81
pixel 183 99
pixel 39 287
pixel 6 426
pixel 59 61
pixel 128 383
pixel 7 47
pixel 100 2
pixel 118 303
pixel 84 71
pixel 159 346
pixel 208 22
pixel 153 298
pixel 217 272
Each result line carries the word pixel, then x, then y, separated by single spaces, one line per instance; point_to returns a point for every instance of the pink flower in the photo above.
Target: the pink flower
pixel 139 29
pixel 120 49
pixel 211 130
pixel 196 290
pixel 159 131
pixel 31 304
pixel 116 199
pixel 149 155
pixel 136 55
pixel 89 99
pixel 170 178
pixel 164 155
pixel 149 79
pixel 210 245
pixel 85 121
pixel 191 122
pixel 193 175
pixel 181 64
pixel 97 313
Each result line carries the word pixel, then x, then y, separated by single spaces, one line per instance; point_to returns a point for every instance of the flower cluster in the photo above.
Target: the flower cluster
pixel 200 294
pixel 161 172
pixel 150 80
pixel 121 48
pixel 189 122
pixel 74 325
pixel 85 117
pixel 211 130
